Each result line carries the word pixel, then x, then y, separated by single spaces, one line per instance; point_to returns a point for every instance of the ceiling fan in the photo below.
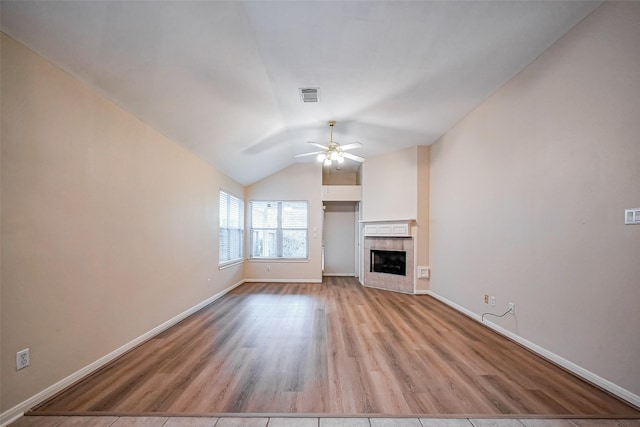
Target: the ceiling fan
pixel 333 151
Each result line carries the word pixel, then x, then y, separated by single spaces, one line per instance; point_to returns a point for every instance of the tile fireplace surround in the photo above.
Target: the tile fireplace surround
pixel 391 282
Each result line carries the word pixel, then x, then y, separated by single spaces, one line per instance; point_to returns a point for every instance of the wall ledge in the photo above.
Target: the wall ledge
pixel 616 390
pixel 12 414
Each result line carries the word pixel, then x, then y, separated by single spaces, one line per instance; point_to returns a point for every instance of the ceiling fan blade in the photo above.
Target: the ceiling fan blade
pixel 324 147
pixel 315 153
pixel 351 146
pixel 353 157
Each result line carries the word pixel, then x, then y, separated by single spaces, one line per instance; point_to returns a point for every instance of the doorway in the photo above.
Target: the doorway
pixel 339 238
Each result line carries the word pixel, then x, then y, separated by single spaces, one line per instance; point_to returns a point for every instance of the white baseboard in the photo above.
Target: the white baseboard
pixel 339 274
pixel 421 292
pixel 18 411
pixel 581 372
pixel 283 280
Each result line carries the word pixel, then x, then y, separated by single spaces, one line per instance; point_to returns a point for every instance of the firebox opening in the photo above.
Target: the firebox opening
pixel 391 262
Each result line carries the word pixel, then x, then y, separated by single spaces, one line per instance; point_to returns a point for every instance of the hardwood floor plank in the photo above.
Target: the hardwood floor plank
pixel 332 348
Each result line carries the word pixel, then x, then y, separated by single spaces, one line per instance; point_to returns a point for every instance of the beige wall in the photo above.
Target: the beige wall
pixel 528 195
pixel 302 181
pixel 109 229
pixel 390 186
pixel 422 218
pixel 396 186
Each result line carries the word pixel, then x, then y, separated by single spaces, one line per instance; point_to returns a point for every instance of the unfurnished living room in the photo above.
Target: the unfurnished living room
pixel 320 213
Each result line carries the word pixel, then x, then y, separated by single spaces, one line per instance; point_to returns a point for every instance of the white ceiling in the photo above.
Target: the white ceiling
pixel 222 78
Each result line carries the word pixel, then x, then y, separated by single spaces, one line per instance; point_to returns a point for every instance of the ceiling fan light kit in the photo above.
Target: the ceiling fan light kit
pixel 330 157
pixel 333 151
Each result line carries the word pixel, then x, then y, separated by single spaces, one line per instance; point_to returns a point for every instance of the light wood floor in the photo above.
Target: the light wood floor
pixel 332 348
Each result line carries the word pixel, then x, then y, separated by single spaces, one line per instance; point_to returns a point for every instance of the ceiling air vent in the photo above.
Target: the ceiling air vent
pixel 309 94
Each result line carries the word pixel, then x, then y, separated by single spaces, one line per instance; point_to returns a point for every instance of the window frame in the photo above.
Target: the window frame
pixel 278 231
pixel 232 260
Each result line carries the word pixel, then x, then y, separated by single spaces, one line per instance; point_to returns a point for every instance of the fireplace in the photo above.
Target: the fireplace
pixel 390 262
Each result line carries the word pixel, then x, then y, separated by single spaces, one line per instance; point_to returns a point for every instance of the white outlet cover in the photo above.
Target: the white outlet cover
pixel 632 216
pixel 22 359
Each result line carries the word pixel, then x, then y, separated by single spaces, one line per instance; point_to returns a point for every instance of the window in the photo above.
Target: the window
pixel 279 230
pixel 231 228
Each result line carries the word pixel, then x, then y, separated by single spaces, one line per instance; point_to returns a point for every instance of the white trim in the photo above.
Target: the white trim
pixel 229 264
pixel 11 420
pixel 415 266
pixel 400 228
pixel 422 292
pixel 283 280
pixel 339 274
pixel 387 220
pixel 18 411
pixel 581 372
pixel 279 260
pixel 231 193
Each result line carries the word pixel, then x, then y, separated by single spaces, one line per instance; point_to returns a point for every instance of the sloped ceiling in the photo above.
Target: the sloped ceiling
pixel 222 78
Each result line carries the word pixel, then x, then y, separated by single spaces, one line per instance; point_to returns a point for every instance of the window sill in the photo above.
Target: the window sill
pixel 229 264
pixel 277 260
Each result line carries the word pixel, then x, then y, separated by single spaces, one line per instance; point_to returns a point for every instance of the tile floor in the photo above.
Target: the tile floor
pixel 82 421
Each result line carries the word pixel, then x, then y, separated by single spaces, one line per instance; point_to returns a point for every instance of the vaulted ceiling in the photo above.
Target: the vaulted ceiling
pixel 221 78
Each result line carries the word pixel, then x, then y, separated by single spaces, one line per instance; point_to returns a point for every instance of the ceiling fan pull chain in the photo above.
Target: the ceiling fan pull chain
pixel 331 125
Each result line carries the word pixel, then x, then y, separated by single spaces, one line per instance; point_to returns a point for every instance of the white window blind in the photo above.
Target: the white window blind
pixel 231 228
pixel 279 229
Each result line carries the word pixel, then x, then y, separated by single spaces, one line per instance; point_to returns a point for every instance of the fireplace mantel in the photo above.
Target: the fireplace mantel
pixel 387 228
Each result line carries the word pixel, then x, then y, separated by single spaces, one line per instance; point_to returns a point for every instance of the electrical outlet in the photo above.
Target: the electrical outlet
pixel 22 359
pixel 632 216
pixel 512 309
pixel 492 301
pixel 268 268
pixel 486 299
